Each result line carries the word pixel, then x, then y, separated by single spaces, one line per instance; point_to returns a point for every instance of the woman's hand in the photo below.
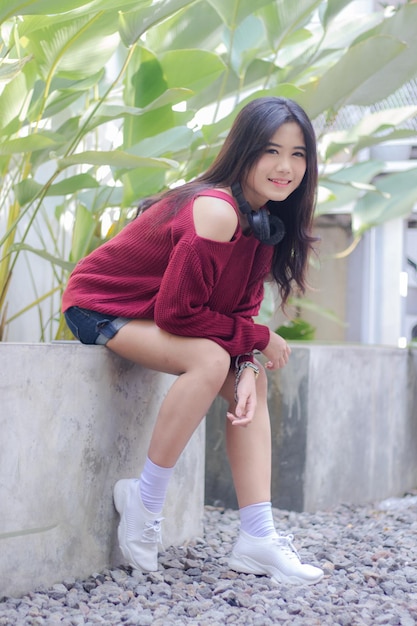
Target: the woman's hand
pixel 277 352
pixel 246 403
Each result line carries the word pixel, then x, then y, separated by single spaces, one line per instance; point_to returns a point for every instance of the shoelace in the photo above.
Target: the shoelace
pixel 152 531
pixel 285 542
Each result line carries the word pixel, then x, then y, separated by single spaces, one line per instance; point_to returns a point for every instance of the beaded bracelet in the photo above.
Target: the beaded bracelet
pixel 239 370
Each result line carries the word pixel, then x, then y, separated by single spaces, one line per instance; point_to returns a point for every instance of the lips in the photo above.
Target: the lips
pixel 279 181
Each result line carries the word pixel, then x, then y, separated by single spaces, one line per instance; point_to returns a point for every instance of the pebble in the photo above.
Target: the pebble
pixel 368 553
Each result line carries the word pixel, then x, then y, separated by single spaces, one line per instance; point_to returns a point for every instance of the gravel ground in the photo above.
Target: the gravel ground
pixel 369 554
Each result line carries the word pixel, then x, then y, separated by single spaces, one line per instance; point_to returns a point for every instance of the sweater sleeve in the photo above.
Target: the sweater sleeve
pixel 183 303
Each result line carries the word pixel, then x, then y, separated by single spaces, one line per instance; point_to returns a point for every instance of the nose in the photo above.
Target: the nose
pixel 284 164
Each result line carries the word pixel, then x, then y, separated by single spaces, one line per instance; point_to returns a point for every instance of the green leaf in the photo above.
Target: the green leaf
pixel 27 190
pixel 141 183
pixel 186 29
pixel 10 69
pixel 145 83
pixel 401 26
pixel 297 330
pixel 72 185
pixel 244 43
pixel 168 142
pixel 112 112
pixel 281 18
pixel 114 158
pixel 191 69
pixel 332 10
pixel 33 7
pixel 14 96
pixel 83 231
pixel 235 11
pixel 23 247
pixel 133 24
pixel 31 143
pixel 346 184
pixel 395 135
pixel 372 129
pixel 340 85
pixel 77 48
pixel 396 198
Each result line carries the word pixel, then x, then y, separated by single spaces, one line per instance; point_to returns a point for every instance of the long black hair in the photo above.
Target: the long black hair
pixel 249 135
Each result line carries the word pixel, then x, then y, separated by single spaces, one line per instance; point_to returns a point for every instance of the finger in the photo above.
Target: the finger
pixel 240 409
pixel 239 421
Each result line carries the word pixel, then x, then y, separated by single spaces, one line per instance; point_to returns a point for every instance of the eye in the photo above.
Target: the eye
pixel 300 153
pixel 271 151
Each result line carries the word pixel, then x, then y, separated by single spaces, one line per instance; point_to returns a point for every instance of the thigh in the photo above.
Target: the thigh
pixel 141 341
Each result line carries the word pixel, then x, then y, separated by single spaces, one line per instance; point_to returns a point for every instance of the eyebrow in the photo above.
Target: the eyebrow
pixel 278 145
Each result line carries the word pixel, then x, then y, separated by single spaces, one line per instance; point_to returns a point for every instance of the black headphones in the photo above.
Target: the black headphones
pixel 269 229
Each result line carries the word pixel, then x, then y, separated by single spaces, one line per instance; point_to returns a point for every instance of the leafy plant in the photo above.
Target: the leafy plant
pixel 297 330
pixel 102 103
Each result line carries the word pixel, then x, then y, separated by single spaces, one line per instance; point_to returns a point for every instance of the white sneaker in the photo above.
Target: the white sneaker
pixel 275 556
pixel 139 530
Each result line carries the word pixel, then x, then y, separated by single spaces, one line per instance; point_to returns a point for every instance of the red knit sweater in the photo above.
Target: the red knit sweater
pixel 190 286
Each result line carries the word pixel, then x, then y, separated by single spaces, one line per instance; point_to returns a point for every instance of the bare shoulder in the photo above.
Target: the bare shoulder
pixel 214 218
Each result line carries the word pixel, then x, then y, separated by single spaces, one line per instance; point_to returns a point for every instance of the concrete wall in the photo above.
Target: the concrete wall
pixel 73 420
pixel 344 428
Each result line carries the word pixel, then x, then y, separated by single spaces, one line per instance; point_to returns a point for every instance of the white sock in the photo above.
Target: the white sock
pixel 257 520
pixel 153 484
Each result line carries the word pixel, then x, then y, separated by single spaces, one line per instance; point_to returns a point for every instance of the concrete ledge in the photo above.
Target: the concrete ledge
pixel 73 420
pixel 344 428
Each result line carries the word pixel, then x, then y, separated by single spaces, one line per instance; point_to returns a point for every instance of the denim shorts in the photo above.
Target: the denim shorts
pixel 93 327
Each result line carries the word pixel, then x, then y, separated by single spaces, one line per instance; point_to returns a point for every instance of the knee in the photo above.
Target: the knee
pixel 215 362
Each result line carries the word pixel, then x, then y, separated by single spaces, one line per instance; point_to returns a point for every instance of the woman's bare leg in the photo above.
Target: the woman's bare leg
pixel 201 366
pixel 249 447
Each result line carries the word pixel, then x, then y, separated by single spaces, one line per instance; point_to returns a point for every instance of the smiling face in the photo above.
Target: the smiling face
pixel 280 169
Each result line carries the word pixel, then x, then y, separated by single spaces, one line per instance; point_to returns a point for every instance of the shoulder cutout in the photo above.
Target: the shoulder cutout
pixel 214 218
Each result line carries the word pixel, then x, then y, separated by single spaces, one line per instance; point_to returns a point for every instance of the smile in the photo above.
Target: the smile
pixel 280 182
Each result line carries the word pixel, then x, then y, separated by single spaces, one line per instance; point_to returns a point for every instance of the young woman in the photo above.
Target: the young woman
pixel 176 291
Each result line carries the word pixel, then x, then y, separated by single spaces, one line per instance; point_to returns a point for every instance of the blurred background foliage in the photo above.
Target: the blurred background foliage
pixel 105 102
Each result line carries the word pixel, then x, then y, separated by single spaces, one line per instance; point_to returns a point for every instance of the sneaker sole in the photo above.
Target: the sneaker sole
pixel 245 565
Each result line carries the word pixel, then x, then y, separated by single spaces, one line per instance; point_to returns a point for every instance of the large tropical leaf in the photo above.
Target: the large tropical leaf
pixel 192 69
pixel 75 49
pixel 31 143
pixel 235 11
pixel 27 190
pixel 14 100
pixel 401 26
pixel 133 24
pixel 341 86
pixel 344 187
pixel 114 158
pixel 372 129
pixel 185 30
pixel 396 198
pixel 32 7
pixel 281 18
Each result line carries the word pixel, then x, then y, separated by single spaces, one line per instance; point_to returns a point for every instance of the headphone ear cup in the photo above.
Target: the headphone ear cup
pixel 277 230
pixel 269 229
pixel 260 224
